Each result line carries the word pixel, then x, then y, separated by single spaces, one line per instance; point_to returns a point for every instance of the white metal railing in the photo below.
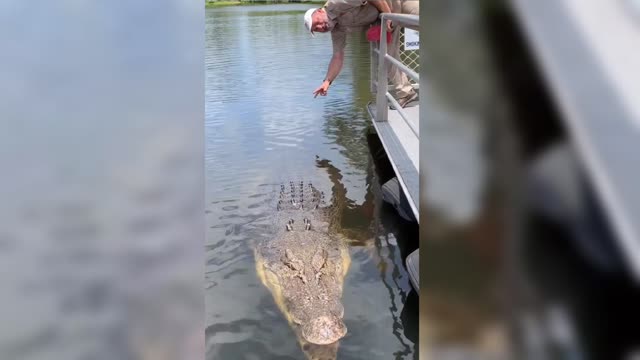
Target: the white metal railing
pixel 380 67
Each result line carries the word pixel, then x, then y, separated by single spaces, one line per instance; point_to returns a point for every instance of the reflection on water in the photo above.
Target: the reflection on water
pixel 264 127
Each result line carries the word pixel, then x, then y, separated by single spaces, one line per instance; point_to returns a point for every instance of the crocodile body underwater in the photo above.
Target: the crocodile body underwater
pixel 303 264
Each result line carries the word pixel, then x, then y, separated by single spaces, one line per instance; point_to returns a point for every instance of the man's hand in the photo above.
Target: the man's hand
pixel 322 90
pixel 383 7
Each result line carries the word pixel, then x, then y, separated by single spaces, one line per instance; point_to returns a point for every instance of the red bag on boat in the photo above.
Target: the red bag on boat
pixel 373 34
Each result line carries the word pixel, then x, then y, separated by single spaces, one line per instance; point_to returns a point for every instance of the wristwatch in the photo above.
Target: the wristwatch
pixel 328 81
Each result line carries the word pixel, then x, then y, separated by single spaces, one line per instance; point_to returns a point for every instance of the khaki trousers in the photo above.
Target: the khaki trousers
pixel 398 79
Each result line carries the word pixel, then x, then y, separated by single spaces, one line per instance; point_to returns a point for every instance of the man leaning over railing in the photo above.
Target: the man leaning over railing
pixel 342 16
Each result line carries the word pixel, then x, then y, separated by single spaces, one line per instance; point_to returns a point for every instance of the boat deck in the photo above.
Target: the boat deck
pixel 588 52
pixel 403 149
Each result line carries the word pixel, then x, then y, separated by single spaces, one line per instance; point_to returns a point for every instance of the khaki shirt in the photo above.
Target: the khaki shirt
pixel 346 16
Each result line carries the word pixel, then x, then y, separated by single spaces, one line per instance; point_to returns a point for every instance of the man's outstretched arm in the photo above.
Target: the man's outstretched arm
pixel 334 69
pixel 335 65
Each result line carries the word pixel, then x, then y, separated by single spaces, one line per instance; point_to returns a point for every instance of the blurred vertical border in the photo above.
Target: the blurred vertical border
pixel 102 186
pixel 527 145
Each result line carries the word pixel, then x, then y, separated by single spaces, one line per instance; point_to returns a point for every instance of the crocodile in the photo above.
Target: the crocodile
pixel 303 264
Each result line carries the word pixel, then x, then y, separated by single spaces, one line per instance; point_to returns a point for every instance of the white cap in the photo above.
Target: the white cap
pixel 308 21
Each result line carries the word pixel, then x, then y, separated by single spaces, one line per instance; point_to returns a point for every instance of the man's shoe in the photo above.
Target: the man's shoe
pixel 403 102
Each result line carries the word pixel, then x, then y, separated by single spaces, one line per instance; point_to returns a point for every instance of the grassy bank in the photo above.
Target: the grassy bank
pixel 221 3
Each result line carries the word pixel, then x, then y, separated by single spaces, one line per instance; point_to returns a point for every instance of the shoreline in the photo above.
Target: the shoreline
pixel 223 3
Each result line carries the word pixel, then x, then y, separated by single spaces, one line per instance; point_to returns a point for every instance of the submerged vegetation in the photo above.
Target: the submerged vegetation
pixel 221 3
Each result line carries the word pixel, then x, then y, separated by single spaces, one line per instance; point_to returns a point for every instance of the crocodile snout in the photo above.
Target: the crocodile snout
pixel 324 330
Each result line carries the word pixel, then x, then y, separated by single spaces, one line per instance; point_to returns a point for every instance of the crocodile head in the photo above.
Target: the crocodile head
pixel 305 275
